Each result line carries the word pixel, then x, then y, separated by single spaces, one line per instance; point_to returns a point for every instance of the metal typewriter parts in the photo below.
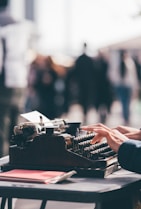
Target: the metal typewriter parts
pixel 60 147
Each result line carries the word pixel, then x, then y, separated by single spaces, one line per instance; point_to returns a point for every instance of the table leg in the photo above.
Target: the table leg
pixel 3 202
pixel 9 203
pixel 43 204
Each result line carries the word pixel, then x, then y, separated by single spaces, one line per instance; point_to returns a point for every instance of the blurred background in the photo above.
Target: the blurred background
pixel 62 32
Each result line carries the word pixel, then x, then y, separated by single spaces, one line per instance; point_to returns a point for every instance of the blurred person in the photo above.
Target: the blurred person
pixel 126 83
pixel 42 80
pixel 60 88
pixel 124 140
pixel 83 76
pixel 32 99
pixel 71 89
pixel 103 97
pixel 138 68
pixel 15 36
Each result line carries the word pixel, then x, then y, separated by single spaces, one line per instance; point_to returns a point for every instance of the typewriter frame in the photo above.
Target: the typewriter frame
pixel 50 152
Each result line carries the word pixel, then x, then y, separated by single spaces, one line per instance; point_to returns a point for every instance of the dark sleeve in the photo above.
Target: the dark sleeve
pixel 129 155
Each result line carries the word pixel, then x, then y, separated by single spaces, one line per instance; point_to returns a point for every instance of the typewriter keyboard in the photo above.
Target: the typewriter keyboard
pixel 82 146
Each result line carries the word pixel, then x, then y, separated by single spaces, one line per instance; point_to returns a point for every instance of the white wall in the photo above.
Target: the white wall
pixel 17 8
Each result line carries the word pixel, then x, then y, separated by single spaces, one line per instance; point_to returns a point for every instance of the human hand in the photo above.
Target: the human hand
pixel 126 129
pixel 113 136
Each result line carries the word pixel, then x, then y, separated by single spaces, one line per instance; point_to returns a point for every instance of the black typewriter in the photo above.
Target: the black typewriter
pixel 60 147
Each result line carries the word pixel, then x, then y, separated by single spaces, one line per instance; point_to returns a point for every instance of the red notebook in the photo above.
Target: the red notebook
pixel 35 176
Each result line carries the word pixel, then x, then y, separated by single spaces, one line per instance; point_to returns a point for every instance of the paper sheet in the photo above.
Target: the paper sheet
pixel 35 117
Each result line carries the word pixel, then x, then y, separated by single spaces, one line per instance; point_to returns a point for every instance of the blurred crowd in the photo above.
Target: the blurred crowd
pixel 88 81
pixel 53 88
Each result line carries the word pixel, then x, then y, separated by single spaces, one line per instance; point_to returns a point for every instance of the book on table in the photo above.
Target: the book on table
pixel 35 176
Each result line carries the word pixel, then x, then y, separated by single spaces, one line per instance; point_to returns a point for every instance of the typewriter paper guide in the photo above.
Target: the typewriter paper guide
pixel 35 117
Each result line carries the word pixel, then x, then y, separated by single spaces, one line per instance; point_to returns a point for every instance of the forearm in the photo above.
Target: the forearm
pixel 131 133
pixel 129 155
pixel 136 135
